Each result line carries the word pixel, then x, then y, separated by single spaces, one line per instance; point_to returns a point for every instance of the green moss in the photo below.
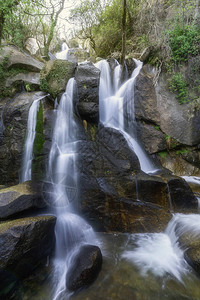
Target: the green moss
pixel 55 75
pixel 38 144
pixel 162 154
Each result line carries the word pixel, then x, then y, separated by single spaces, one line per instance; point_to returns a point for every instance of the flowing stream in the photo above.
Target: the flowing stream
pixel 116 108
pixel 71 230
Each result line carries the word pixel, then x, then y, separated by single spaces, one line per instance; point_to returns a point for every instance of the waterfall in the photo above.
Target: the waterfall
pixel 71 230
pixel 63 54
pixel 117 111
pixel 160 253
pixel 26 172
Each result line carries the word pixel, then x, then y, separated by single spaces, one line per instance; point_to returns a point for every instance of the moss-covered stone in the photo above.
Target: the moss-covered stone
pixel 55 75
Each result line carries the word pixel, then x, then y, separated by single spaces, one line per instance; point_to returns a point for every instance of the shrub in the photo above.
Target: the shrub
pixel 178 85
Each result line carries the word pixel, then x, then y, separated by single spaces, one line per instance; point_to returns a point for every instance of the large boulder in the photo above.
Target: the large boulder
pixel 55 75
pixel 24 246
pixel 32 78
pixel 156 104
pixel 19 198
pixel 14 115
pixel 77 55
pixel 20 59
pixel 87 78
pixel 85 267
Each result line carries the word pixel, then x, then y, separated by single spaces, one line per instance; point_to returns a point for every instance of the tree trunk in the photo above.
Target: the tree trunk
pixel 123 38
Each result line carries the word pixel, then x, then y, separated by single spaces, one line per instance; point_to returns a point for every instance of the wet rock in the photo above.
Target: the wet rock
pixel 19 198
pixel 14 115
pixel 89 111
pixel 87 77
pixel 24 246
pixel 182 197
pixel 192 256
pixel 55 75
pixel 86 266
pixel 111 185
pixel 18 58
pixel 130 64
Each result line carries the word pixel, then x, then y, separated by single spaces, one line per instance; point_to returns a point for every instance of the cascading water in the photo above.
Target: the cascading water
pixel 118 111
pixel 71 230
pixel 63 54
pixel 28 151
pixel 160 253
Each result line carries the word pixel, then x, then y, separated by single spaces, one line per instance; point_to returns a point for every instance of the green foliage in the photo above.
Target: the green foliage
pixel 178 85
pixel 162 154
pixel 184 41
pixel 182 151
pixel 157 127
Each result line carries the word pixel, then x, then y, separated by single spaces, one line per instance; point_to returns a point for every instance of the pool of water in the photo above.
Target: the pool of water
pixel 122 278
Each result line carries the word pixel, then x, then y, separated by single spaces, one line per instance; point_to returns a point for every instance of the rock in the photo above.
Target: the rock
pixel 30 78
pixel 130 63
pixel 182 197
pixel 145 100
pixel 86 266
pixel 174 162
pixel 192 256
pixel 31 45
pixel 24 246
pixel 189 241
pixel 159 106
pixel 89 111
pixel 77 55
pixel 20 59
pixel 145 54
pixel 153 139
pixel 87 78
pixel 55 75
pixel 111 184
pixel 14 114
pixel 19 198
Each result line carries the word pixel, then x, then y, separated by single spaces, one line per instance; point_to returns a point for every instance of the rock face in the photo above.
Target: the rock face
pixel 24 245
pixel 14 115
pixel 77 55
pixel 87 77
pixel 159 106
pixel 18 58
pixel 55 75
pixel 85 267
pixel 19 198
pixel 31 78
pixel 116 196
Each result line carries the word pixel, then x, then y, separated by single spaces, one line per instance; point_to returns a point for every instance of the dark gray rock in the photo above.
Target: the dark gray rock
pixel 19 198
pixel 154 140
pixel 24 246
pixel 87 78
pixel 89 111
pixel 14 114
pixel 86 266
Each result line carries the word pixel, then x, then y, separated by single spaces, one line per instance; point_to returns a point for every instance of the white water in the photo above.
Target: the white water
pixel 71 230
pixel 63 54
pixel 159 253
pixel 117 111
pixel 26 172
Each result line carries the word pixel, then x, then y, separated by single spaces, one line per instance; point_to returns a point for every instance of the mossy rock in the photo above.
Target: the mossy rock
pixel 55 75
